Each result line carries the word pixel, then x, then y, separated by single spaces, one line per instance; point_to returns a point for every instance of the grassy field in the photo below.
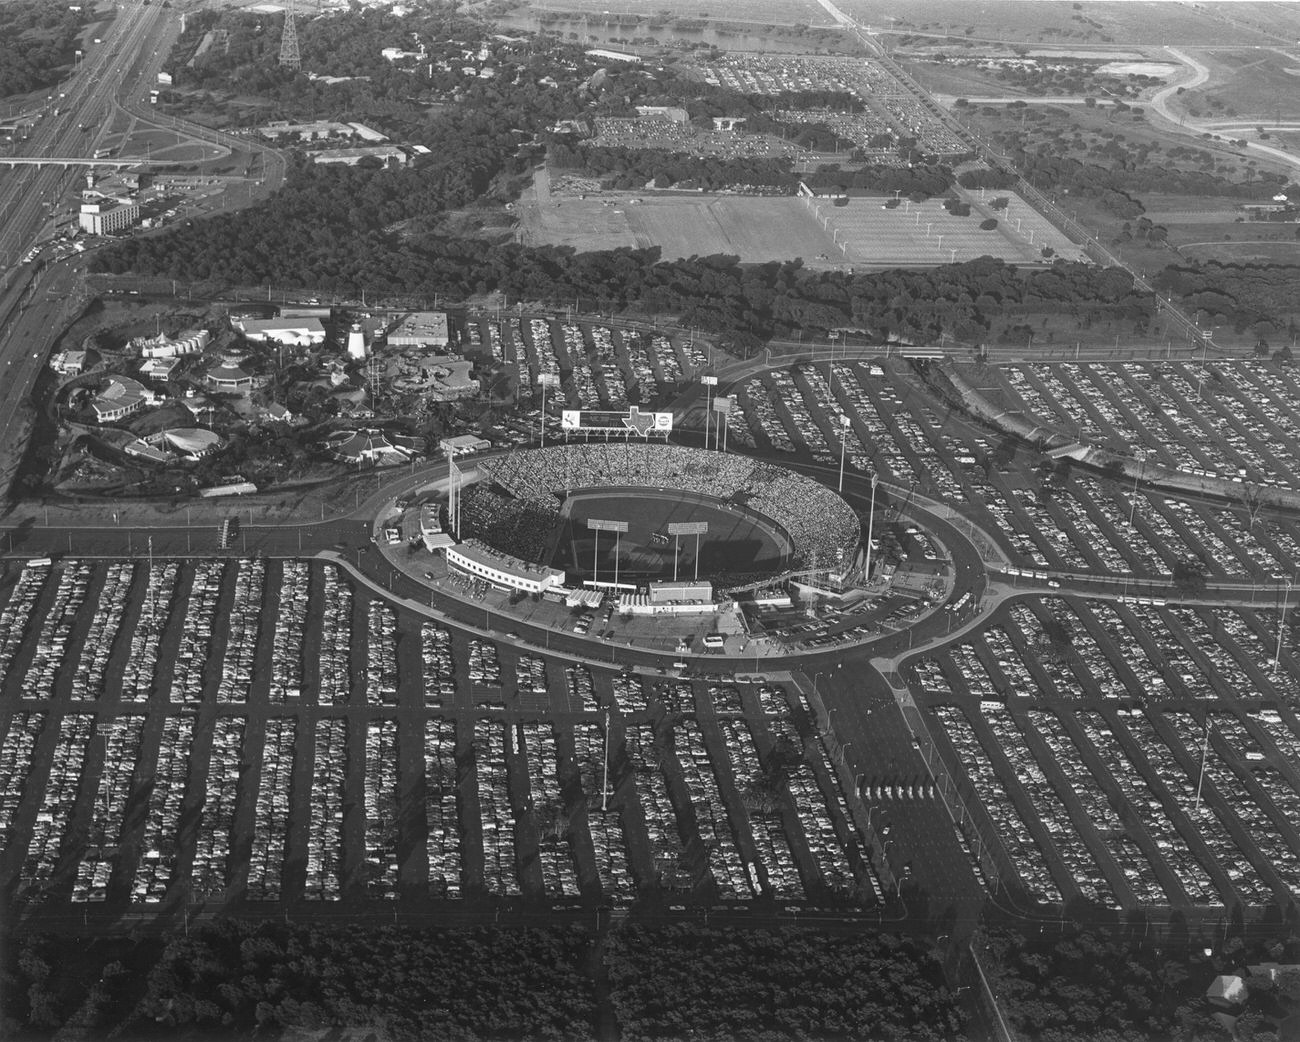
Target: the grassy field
pixel 928 234
pixel 1251 83
pixel 1042 21
pixel 760 229
pixel 755 229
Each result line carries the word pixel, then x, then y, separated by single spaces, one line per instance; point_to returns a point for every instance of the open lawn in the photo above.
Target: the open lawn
pixel 755 229
pixel 760 229
pixel 927 234
pixel 681 224
pixel 1252 82
pixel 1042 21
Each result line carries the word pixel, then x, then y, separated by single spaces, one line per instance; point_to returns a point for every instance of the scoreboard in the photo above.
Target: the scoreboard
pixel 587 421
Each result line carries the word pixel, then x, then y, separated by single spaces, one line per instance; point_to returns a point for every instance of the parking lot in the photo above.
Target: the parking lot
pixel 597 366
pixel 384 758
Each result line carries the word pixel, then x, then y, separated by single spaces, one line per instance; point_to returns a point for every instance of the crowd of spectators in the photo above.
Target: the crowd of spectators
pixel 520 526
pixel 822 527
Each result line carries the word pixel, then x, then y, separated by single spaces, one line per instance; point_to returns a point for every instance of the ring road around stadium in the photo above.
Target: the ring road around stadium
pixel 684 548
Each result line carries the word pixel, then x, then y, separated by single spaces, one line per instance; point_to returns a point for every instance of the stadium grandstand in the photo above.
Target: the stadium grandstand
pixel 823 530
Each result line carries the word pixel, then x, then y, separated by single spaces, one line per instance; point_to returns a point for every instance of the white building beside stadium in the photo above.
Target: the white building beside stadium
pixel 500 569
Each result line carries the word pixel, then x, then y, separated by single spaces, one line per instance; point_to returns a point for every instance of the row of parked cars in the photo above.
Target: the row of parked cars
pixel 121 738
pixel 582 692
pixel 141 666
pixel 336 641
pixel 56 628
pixel 88 678
pixel 325 825
pixel 734 877
pixel 191 658
pixel 271 820
pixel 439 671
pixel 555 846
pixel 604 814
pixel 484 663
pixel 210 872
pixel 1047 807
pixel 381 655
pixel 775 862
pixel 290 622
pixel 1262 801
pixel 57 801
pixel 159 848
pixel 828 826
pixel 243 623
pixel 380 798
pixel 16 764
pixel 442 824
pixel 666 852
pixel 495 813
pixel 1122 848
pixel 1008 824
pixel 17 612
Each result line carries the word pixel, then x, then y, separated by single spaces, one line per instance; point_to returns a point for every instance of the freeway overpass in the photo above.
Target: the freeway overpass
pixel 67 161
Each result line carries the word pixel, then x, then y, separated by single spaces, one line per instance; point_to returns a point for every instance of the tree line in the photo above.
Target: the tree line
pixel 239 980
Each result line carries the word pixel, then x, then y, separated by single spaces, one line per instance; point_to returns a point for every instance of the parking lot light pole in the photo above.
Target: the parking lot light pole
pixel 844 438
pixel 1205 748
pixel 1281 624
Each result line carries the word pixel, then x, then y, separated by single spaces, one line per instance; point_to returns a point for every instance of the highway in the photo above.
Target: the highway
pixel 28 193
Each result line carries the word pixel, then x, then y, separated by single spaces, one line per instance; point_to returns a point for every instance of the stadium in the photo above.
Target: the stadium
pixel 762 520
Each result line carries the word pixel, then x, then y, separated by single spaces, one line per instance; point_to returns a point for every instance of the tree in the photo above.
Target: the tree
pixel 1189 578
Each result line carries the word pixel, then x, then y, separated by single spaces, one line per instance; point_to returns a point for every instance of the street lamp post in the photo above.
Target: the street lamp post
pixel 1281 624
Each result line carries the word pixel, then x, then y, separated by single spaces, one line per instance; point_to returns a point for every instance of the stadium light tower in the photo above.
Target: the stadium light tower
pixel 545 380
pixel 597 526
pixel 709 382
pixel 677 529
pixel 871 517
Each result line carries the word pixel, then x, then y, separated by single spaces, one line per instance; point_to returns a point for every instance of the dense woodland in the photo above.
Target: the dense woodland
pixel 37 44
pixel 685 982
pixel 1088 987
pixel 237 980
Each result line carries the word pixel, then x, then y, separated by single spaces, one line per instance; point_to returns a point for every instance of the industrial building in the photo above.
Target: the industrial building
pixel 420 329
